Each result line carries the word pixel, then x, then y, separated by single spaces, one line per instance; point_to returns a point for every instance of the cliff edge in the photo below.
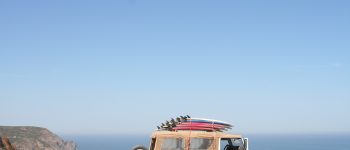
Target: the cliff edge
pixel 5 144
pixel 34 138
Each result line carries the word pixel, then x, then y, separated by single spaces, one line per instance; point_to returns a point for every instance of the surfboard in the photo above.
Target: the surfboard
pixel 210 120
pixel 194 128
pixel 203 120
pixel 188 123
pixel 202 124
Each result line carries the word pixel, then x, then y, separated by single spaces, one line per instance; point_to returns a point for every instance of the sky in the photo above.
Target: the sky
pixel 123 67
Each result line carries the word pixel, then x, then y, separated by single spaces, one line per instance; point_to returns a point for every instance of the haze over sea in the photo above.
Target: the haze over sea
pixel 257 142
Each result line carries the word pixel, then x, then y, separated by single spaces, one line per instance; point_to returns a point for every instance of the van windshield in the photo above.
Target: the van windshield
pixel 231 144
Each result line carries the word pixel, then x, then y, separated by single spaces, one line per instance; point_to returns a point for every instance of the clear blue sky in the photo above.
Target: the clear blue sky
pixel 106 67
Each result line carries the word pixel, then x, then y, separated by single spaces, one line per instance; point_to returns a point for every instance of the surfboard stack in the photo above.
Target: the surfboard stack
pixel 188 123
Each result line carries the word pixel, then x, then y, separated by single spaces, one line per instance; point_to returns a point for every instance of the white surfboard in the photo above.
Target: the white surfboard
pixel 211 120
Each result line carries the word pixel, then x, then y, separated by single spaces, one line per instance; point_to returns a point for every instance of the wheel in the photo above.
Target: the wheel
pixel 139 147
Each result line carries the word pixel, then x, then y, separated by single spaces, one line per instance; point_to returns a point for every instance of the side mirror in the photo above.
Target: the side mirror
pixel 246 143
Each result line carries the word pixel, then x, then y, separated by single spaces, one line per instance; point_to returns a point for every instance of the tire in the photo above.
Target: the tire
pixel 139 147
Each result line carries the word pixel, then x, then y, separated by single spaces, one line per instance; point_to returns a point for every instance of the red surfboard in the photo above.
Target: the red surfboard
pixel 194 128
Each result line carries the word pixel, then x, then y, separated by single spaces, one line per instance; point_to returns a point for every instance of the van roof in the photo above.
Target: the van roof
pixel 193 134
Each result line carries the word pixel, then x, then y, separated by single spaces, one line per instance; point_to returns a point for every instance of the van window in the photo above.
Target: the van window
pixel 201 143
pixel 173 144
pixel 231 144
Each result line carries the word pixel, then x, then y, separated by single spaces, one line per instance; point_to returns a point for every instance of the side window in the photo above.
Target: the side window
pixel 231 144
pixel 173 144
pixel 201 144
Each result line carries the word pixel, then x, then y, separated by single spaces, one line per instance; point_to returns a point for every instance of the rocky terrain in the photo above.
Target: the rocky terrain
pixel 5 144
pixel 32 138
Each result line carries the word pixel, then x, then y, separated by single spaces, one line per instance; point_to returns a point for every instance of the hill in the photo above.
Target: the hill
pixel 34 138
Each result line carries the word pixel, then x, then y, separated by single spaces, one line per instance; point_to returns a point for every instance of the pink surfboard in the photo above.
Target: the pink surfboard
pixel 194 128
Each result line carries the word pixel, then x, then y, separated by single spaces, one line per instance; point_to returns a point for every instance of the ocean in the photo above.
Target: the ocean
pixel 256 142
